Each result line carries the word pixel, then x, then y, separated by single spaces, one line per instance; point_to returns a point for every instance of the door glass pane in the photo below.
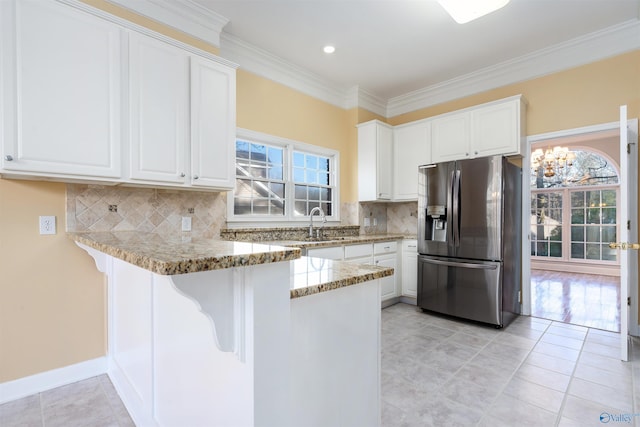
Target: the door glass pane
pixel 593 251
pixel 609 234
pixel 577 233
pixel 577 250
pixel 577 216
pixel 593 234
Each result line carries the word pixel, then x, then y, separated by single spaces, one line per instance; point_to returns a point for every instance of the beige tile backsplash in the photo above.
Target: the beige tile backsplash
pixel 402 218
pixel 144 209
pixel 161 211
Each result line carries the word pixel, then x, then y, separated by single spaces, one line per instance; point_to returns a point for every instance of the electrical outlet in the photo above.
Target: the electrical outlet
pixel 186 223
pixel 48 224
pixel 375 221
pixel 366 221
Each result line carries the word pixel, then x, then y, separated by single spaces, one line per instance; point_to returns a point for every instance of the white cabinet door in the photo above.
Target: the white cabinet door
pixel 61 91
pixel 375 161
pixel 412 148
pixel 384 163
pixel 387 284
pixel 159 110
pixel 450 137
pixel 213 124
pixel 410 268
pixel 331 252
pixel 496 129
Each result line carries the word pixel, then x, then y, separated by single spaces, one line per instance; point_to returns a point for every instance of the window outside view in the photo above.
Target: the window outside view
pixel 573 213
pixel 273 181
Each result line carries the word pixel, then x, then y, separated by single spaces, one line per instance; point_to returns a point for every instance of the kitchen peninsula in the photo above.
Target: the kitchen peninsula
pixel 212 332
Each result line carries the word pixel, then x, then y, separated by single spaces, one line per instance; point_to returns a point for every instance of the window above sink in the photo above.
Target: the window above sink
pixel 281 180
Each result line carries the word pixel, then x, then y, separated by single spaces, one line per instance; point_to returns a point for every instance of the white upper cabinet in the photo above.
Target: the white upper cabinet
pixel 375 161
pixel 159 110
pixel 213 124
pixel 451 137
pixel 61 92
pixel 90 97
pixel 497 128
pixel 411 148
pixel 484 130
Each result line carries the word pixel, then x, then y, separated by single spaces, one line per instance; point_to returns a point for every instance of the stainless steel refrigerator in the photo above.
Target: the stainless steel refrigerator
pixel 469 239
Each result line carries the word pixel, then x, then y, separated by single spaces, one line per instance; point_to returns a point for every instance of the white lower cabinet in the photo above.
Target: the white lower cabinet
pixel 331 252
pixel 385 254
pixel 410 268
pixel 382 254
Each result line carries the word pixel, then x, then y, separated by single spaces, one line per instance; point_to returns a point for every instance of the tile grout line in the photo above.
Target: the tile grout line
pixel 495 399
pixel 41 409
pixel 575 367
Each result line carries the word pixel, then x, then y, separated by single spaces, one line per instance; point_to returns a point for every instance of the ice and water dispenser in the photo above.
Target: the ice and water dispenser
pixel 436 223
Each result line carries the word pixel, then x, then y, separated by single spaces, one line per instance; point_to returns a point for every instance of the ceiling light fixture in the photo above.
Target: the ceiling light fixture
pixel 551 161
pixel 463 11
pixel 329 49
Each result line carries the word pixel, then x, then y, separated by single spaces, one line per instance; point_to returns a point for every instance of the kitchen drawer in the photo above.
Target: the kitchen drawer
pixel 332 252
pixel 385 247
pixel 356 251
pixel 409 245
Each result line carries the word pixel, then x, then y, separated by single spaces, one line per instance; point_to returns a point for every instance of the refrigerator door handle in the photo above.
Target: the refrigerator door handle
pixel 456 208
pixel 450 209
pixel 460 264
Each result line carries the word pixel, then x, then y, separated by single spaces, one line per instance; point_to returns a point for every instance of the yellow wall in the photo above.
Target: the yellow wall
pixel 582 96
pixel 52 305
pixel 269 107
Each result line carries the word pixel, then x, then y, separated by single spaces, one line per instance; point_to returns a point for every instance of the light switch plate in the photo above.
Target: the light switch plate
pixel 47 224
pixel 366 221
pixel 186 223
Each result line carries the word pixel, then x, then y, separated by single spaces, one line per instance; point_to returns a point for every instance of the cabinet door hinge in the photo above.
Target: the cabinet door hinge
pixel 628 224
pixel 628 148
pixel 629 301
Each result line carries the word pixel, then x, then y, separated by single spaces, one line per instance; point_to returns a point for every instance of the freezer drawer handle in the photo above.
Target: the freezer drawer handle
pixel 462 264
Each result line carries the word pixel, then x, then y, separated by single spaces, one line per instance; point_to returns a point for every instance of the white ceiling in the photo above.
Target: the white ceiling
pixel 393 47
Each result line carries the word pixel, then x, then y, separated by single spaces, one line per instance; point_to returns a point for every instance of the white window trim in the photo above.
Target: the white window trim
pixel 566 222
pixel 289 145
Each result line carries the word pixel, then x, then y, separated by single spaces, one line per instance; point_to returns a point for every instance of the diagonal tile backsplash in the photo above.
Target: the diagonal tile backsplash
pixel 144 209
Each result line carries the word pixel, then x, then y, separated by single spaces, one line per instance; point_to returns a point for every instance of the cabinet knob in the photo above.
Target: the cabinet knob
pixel 182 175
pixel 195 177
pixel 8 158
pixel 476 153
pixel 466 154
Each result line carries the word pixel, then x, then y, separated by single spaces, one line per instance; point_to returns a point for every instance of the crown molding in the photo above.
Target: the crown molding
pixel 368 100
pixel 258 61
pixel 184 15
pixel 592 47
pixel 195 20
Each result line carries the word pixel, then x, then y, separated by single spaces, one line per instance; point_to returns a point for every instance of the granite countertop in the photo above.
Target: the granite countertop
pixel 169 255
pixel 311 276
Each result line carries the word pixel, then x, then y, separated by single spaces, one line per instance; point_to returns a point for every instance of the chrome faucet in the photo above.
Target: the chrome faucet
pixel 318 210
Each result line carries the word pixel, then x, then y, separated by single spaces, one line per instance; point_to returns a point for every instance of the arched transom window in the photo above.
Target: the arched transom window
pixel 574 211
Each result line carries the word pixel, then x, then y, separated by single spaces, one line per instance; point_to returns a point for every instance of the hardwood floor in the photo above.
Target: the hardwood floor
pixel 580 299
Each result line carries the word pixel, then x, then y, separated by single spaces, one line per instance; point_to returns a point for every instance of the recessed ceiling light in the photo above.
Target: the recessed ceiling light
pixel 463 11
pixel 329 49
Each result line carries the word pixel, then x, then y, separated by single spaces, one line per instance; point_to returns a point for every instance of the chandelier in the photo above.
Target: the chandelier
pixel 553 161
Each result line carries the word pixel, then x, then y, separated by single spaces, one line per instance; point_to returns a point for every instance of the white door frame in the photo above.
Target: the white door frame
pixel 526 197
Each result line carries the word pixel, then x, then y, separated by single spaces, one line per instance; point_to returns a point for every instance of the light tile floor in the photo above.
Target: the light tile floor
pixel 438 371
pixel 89 403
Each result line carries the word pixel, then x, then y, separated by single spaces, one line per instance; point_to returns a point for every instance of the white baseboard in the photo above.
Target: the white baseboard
pixel 22 387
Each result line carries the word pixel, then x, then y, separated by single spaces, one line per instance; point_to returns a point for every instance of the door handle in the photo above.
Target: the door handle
pixel 624 246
